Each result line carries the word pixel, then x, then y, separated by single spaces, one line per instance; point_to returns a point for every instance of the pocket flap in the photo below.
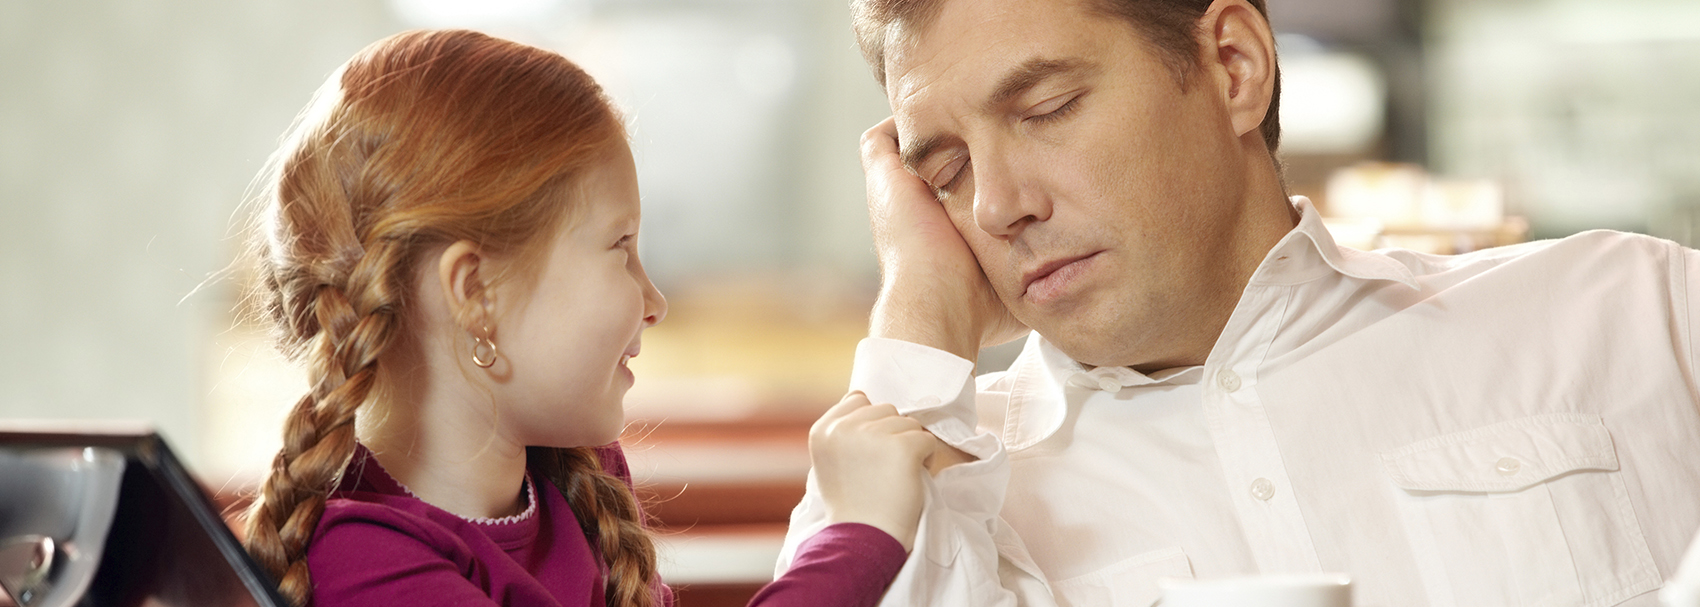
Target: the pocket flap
pixel 1507 456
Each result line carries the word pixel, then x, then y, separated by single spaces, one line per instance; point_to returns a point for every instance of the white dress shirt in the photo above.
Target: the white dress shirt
pixel 1517 426
pixel 1683 589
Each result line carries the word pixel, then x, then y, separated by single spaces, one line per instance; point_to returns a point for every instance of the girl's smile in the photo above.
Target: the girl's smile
pixel 570 342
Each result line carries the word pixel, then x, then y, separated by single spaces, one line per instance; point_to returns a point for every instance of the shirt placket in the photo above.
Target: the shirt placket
pixel 1252 465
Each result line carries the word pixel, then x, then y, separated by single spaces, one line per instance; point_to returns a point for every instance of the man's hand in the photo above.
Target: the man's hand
pixel 932 289
pixel 868 465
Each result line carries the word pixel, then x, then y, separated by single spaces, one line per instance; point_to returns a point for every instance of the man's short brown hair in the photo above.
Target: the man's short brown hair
pixel 1170 26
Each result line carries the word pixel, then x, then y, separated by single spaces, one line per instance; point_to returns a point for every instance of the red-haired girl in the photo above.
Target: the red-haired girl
pixel 450 249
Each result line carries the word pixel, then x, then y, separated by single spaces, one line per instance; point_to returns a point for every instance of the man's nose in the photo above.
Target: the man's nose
pixel 1005 200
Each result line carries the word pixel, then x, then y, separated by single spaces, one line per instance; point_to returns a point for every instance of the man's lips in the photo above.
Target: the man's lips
pixel 1047 269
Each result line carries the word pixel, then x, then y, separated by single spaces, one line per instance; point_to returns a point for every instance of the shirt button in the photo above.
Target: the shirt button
pixel 1109 384
pixel 1228 380
pixel 928 401
pixel 1262 489
pixel 1508 466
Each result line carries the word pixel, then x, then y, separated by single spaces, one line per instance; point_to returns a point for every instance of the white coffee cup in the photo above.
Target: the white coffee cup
pixel 1284 590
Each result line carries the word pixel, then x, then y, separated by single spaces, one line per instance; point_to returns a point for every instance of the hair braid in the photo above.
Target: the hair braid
pixel 342 358
pixel 609 514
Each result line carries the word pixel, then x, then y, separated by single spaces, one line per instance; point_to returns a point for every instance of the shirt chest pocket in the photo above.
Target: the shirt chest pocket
pixel 1131 582
pixel 1531 511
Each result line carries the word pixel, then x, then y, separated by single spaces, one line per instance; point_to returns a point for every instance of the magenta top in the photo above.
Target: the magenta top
pixel 377 544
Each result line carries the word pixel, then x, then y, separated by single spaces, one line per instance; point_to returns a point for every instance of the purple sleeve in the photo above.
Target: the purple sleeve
pixel 362 561
pixel 845 565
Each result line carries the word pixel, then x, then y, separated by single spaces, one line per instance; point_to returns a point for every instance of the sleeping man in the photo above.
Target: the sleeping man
pixel 1210 386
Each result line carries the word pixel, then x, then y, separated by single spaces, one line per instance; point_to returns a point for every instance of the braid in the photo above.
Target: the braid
pixel 342 351
pixel 609 514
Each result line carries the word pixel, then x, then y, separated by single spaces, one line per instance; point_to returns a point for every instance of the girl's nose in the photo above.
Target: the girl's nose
pixel 654 304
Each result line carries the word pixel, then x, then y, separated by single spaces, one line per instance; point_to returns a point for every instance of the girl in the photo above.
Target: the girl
pixel 450 248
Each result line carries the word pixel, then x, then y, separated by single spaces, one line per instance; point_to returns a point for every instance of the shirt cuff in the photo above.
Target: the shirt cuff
pixel 933 386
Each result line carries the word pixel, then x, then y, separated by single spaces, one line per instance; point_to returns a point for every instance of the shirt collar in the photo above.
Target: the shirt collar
pixel 1043 375
pixel 1045 378
pixel 1308 252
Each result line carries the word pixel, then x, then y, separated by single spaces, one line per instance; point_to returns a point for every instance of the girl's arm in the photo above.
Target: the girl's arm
pixel 845 565
pixel 868 465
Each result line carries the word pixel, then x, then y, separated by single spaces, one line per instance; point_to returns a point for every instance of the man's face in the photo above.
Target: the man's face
pixel 1097 195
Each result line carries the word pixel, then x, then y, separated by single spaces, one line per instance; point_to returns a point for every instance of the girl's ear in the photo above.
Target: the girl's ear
pixel 460 273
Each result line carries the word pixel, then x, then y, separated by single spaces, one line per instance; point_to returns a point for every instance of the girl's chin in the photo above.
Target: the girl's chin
pixel 603 436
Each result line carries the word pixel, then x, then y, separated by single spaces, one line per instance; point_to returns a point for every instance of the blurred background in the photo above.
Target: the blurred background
pixel 131 129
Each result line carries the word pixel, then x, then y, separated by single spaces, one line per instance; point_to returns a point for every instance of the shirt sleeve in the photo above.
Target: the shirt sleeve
pixel 1685 288
pixel 845 565
pixel 964 554
pixel 1683 588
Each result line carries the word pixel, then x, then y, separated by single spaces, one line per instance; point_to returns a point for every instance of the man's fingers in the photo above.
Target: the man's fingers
pixel 881 157
pixel 880 139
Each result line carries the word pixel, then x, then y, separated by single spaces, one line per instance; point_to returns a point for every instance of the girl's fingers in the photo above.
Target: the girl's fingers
pixel 854 410
pixel 855 414
pixel 893 424
pixel 850 403
pixel 836 414
pixel 921 443
pixel 870 412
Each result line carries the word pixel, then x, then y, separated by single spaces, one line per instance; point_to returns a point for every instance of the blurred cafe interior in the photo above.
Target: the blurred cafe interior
pixel 130 133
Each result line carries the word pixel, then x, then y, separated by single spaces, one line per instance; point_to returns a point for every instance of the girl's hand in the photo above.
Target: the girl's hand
pixel 868 464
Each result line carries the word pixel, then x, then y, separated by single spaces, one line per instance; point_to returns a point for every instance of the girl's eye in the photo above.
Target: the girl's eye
pixel 1054 108
pixel 625 241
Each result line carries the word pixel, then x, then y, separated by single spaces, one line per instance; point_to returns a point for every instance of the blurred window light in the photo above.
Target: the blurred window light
pixel 1331 102
pixel 1462 203
pixel 479 13
pixel 765 66
pixel 1584 110
pixel 1388 193
pixel 1625 23
pixel 1400 195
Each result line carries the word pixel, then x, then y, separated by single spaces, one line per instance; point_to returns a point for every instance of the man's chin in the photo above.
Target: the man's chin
pixel 1082 347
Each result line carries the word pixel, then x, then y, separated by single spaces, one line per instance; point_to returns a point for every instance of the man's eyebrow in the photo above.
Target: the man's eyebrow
pixel 1028 74
pixel 912 155
pixel 1017 81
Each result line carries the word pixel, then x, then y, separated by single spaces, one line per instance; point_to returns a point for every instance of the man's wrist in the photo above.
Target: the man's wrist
pixel 930 315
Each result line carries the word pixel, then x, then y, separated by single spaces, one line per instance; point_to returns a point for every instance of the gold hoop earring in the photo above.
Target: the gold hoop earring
pixel 483 352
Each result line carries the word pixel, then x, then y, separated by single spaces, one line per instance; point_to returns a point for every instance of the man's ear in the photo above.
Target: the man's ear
pixel 1241 49
pixel 460 273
